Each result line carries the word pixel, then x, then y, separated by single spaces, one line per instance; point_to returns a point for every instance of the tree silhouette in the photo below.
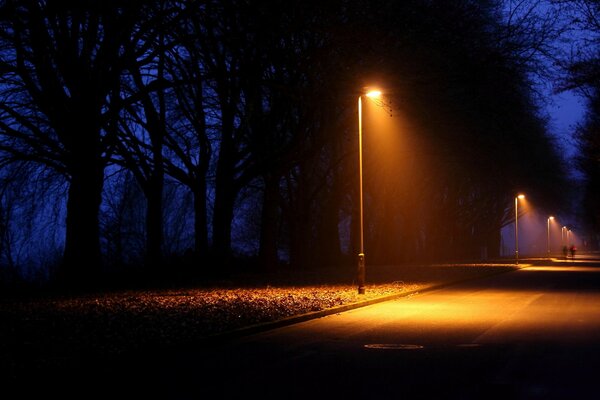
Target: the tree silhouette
pixel 250 109
pixel 583 75
pixel 60 63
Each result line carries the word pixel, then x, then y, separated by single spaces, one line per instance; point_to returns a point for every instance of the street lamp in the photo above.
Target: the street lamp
pixel 361 254
pixel 549 218
pixel 521 196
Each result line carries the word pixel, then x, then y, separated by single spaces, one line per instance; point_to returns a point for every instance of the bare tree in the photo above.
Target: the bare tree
pixel 60 62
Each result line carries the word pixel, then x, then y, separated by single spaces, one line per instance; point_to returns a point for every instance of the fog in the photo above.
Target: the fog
pixel 533 235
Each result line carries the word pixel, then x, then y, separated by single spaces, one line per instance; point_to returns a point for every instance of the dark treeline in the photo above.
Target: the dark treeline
pixel 583 75
pixel 136 133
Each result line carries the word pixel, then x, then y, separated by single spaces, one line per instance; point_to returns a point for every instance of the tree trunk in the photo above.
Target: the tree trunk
pixel 222 218
pixel 155 186
pixel 301 240
pixel 82 261
pixel 154 220
pixel 267 253
pixel 200 219
pixel 494 243
pixel 225 192
pixel 328 245
pixel 299 244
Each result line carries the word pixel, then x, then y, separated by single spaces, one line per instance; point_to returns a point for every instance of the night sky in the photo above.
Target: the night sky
pixel 566 111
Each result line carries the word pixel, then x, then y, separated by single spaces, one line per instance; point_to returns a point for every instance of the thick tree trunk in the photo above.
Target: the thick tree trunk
pixel 222 219
pixel 268 230
pixel 328 250
pixel 300 244
pixel 225 193
pixel 155 186
pixel 82 261
pixel 301 240
pixel 494 243
pixel 200 219
pixel 154 220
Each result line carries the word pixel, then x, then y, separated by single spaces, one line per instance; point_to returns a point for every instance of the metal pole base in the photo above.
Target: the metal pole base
pixel 361 273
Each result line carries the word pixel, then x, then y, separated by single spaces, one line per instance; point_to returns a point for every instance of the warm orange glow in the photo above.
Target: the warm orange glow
pixel 551 217
pixel 373 93
pixel 521 196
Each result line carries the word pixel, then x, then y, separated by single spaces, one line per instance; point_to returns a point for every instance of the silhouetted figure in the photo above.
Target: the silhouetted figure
pixel 573 249
pixel 565 251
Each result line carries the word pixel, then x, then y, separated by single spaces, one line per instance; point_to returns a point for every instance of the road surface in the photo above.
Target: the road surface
pixel 528 334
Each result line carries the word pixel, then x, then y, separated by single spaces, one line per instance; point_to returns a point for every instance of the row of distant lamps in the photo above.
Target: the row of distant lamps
pixel 361 254
pixel 564 231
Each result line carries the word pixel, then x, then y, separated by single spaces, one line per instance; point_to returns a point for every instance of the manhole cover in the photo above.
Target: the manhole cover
pixel 393 346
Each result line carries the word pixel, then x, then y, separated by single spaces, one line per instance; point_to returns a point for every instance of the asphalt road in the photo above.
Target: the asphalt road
pixel 529 334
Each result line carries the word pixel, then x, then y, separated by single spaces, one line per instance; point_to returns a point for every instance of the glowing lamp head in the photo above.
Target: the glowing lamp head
pixel 373 93
pixel 521 196
pixel 551 217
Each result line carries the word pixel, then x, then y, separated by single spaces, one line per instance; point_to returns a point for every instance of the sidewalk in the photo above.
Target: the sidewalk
pixel 489 270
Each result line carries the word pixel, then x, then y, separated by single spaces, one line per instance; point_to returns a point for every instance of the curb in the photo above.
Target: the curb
pixel 266 326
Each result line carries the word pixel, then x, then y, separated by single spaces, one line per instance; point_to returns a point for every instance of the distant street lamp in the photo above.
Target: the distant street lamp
pixel 549 218
pixel 521 196
pixel 361 254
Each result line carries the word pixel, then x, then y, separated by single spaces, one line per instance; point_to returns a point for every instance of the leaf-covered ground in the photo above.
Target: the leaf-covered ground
pixel 42 332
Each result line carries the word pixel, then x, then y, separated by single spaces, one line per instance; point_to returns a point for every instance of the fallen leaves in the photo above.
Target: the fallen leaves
pixel 115 322
pixel 44 331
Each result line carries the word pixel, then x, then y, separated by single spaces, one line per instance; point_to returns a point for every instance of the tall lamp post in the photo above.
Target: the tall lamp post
pixel 521 196
pixel 549 218
pixel 361 254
